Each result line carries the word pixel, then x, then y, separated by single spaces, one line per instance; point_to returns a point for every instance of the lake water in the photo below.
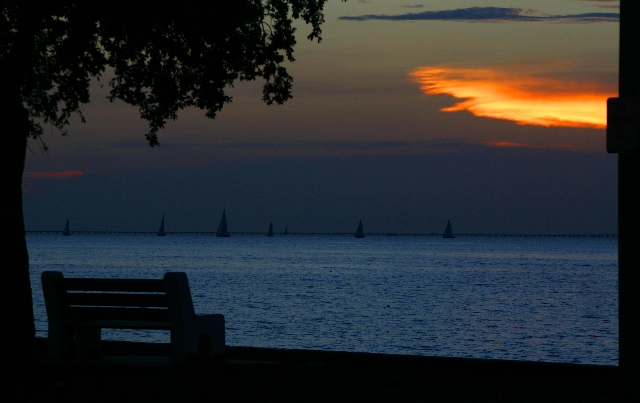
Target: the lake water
pixel 552 299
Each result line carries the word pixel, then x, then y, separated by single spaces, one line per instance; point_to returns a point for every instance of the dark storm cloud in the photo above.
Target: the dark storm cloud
pixel 489 14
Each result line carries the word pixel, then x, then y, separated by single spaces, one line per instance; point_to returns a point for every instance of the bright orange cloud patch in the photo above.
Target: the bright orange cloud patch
pixel 53 175
pixel 525 98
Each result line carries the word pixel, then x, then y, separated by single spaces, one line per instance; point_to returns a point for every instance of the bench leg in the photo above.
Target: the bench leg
pixel 204 348
pixel 203 341
pixel 88 342
pixel 60 343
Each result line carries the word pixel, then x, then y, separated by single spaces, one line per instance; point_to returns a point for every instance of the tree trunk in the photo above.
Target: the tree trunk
pixel 16 303
pixel 16 300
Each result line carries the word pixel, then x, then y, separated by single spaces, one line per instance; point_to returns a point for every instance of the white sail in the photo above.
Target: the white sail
pixel 448 232
pixel 222 227
pixel 360 230
pixel 66 231
pixel 161 231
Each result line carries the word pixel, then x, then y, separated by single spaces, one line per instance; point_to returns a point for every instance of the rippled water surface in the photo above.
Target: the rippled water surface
pixel 520 298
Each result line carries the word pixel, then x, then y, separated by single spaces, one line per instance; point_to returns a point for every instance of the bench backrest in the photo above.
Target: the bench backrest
pixel 143 300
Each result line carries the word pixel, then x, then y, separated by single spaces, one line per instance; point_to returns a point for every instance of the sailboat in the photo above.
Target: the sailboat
pixel 286 231
pixel 222 227
pixel 359 230
pixel 270 232
pixel 448 232
pixel 161 231
pixel 66 231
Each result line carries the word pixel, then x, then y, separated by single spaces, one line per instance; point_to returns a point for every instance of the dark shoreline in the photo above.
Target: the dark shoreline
pixel 141 372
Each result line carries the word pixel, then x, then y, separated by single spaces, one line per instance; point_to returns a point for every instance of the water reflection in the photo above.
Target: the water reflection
pixel 529 298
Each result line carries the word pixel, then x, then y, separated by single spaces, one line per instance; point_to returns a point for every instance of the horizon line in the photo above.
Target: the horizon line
pixel 244 233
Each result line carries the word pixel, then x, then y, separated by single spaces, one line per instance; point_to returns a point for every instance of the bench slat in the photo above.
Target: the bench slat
pixel 111 284
pixel 117 299
pixel 127 314
pixel 127 324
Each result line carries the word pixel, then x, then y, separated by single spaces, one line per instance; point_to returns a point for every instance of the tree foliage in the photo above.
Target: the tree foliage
pixel 159 57
pixel 164 57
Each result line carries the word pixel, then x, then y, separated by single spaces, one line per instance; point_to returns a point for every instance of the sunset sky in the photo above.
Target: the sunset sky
pixel 489 113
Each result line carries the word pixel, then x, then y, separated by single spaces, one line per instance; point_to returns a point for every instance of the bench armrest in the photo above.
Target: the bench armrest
pixel 192 335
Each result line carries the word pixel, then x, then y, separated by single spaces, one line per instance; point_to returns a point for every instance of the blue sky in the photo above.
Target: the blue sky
pixel 404 120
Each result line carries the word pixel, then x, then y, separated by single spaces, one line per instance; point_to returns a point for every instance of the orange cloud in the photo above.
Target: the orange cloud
pixel 523 97
pixel 507 144
pixel 53 175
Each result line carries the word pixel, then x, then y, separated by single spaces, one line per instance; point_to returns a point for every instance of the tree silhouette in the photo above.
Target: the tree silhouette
pixel 161 57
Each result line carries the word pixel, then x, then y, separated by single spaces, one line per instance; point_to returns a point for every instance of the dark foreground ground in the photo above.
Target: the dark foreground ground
pixel 268 375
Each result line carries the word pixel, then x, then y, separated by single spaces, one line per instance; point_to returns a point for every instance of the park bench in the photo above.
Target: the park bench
pixel 79 308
